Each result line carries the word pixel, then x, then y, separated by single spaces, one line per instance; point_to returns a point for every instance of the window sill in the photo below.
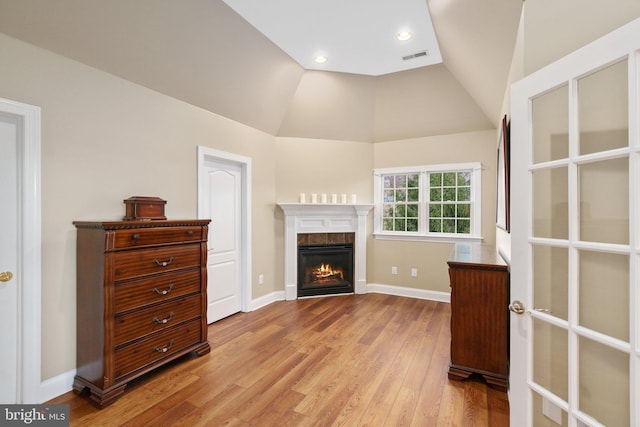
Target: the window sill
pixel 425 238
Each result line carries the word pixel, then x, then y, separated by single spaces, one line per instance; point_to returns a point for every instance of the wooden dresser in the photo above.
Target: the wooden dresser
pixel 141 300
pixel 479 314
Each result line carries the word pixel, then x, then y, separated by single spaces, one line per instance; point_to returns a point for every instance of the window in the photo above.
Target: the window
pixel 437 202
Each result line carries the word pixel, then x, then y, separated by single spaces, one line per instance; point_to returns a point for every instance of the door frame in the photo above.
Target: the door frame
pixel 205 154
pixel 29 254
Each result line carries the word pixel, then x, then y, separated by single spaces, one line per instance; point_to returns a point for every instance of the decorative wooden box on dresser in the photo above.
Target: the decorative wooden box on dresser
pixel 141 300
pixel 479 314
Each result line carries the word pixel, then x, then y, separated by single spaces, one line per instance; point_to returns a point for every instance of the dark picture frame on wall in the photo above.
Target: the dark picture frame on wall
pixel 504 172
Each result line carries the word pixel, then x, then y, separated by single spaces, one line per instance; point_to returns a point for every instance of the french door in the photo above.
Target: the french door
pixel 575 273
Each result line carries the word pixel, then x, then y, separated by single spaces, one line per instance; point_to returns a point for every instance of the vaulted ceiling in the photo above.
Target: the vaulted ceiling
pixel 202 52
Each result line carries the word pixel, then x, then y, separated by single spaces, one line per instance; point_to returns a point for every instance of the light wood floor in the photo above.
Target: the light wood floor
pixel 373 360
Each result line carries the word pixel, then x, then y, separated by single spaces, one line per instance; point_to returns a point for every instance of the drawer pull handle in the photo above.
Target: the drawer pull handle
pixel 190 233
pixel 135 236
pixel 163 321
pixel 163 263
pixel 164 291
pixel 163 349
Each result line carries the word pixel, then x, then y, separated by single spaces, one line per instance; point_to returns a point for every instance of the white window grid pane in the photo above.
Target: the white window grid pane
pixel 449 209
pixel 401 202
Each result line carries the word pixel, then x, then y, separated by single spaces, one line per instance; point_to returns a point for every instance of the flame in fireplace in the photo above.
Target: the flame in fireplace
pixel 326 271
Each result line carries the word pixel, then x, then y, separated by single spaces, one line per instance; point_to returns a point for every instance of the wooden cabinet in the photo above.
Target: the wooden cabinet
pixel 141 300
pixel 479 314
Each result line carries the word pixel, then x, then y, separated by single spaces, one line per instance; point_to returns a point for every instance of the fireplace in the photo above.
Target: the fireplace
pixel 325 269
pixel 315 224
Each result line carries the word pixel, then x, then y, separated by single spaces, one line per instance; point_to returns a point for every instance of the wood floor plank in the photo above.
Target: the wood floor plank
pixel 338 361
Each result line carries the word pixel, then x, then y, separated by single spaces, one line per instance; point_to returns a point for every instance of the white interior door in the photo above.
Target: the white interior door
pixel 223 204
pixel 575 346
pixel 9 280
pixel 20 237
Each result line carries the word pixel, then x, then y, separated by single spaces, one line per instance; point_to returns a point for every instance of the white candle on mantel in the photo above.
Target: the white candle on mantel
pixel 323 198
pixel 303 198
pixel 354 199
pixel 314 198
pixel 334 198
pixel 343 199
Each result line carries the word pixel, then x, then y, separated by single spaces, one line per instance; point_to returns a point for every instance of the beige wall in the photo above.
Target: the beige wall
pixel 431 258
pixel 103 140
pixel 323 166
pixel 554 29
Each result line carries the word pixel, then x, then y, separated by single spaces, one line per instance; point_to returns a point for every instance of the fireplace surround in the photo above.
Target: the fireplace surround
pixel 331 219
pixel 325 264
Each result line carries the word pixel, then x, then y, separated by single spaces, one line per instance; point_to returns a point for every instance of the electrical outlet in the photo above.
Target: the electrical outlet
pixel 260 279
pixel 552 411
pixel 394 270
pixel 414 272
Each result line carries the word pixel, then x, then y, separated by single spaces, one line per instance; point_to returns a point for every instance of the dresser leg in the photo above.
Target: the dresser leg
pixel 458 374
pixel 203 349
pixel 98 397
pixel 497 383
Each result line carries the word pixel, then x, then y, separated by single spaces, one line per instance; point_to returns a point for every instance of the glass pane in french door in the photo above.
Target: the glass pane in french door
pixel 550 357
pixel 550 125
pixel 603 292
pixel 603 383
pixel 550 280
pixel 604 109
pixel 550 203
pixel 604 201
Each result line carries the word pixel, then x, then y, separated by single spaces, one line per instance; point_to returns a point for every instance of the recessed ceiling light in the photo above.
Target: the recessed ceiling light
pixel 320 59
pixel 404 35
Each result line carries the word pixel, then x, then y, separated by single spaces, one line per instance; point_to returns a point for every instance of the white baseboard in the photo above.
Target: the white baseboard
pixel 371 287
pixel 409 292
pixel 54 387
pixel 266 300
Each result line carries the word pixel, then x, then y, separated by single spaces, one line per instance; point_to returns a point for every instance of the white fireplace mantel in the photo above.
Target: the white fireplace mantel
pixel 324 218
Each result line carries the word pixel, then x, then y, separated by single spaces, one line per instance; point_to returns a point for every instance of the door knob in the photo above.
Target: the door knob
pixel 5 276
pixel 517 307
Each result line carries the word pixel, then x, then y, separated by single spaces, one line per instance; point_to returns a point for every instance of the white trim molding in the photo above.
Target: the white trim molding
pixel 409 292
pixel 265 300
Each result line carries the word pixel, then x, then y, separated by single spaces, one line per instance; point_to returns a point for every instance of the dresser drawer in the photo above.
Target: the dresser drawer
pixel 141 262
pixel 138 293
pixel 156 236
pixel 144 322
pixel 155 347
